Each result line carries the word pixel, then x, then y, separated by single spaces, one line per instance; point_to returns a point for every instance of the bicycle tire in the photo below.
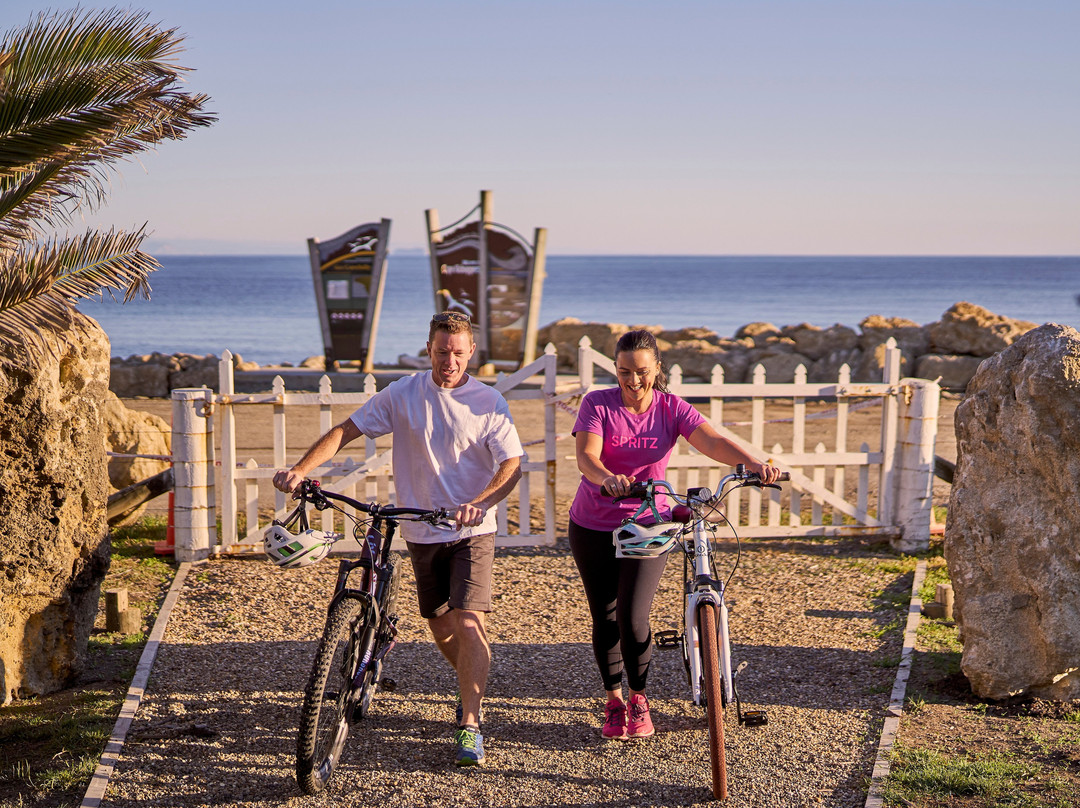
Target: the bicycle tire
pixel 714 697
pixel 324 719
pixel 388 608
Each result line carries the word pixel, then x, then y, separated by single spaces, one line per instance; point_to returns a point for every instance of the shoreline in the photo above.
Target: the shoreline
pixel 949 351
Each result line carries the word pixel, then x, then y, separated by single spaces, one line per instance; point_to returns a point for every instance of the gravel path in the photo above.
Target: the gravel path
pixel 218 723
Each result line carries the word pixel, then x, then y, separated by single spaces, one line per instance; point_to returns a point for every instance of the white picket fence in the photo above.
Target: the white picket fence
pixel 366 476
pixel 818 501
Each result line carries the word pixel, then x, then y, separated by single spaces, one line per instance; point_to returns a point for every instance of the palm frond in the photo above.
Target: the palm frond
pixel 37 289
pixel 79 92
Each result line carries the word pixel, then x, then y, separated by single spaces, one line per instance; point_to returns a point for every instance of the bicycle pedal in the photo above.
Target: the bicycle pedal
pixel 668 638
pixel 755 718
pixel 387 684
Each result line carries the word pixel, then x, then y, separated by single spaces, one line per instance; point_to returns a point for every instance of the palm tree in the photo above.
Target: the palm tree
pixel 79 91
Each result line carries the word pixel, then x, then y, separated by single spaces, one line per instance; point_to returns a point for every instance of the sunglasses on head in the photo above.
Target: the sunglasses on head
pixel 450 317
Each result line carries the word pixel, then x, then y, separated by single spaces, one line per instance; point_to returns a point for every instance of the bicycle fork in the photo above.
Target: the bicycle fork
pixel 695 664
pixel 702 590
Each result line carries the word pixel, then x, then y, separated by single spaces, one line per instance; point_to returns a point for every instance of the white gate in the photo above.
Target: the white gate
pixel 830 494
pixel 821 500
pixel 367 476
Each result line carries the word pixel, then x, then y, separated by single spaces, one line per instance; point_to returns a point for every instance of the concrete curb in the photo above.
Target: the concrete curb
pixel 95 792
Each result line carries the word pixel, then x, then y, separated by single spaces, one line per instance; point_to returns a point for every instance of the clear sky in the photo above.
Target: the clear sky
pixel 726 128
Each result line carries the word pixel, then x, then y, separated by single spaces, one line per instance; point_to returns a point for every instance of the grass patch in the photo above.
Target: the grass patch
pixel 939 636
pixel 886 662
pixel 880 631
pixel 52 743
pixel 936 573
pixel 927 777
pixel 55 741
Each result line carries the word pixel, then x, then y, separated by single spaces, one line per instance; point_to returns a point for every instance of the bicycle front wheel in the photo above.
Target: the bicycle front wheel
pixel 714 697
pixel 324 717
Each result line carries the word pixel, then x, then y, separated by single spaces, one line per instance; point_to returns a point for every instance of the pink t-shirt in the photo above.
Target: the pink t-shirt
pixel 634 445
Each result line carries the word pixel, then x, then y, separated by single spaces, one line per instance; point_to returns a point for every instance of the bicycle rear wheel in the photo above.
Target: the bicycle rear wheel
pixel 714 697
pixel 324 717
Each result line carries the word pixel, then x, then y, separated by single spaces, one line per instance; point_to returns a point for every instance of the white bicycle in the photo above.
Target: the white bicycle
pixel 704 639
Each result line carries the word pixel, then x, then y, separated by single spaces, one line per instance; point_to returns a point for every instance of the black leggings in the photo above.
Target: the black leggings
pixel 620 593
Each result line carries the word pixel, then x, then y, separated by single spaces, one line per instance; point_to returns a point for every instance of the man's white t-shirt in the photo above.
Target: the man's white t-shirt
pixel 448 444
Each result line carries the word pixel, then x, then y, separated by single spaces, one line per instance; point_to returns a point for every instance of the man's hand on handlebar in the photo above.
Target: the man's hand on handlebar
pixel 468 515
pixel 287 479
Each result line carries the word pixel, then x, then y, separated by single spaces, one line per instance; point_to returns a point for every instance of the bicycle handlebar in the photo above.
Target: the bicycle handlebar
pixel 641 489
pixel 311 491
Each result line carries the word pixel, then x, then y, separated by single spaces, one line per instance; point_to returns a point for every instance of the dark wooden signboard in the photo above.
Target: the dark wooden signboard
pixel 487 271
pixel 349 275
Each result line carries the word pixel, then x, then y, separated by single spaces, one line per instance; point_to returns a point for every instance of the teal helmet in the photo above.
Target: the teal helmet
pixel 645 541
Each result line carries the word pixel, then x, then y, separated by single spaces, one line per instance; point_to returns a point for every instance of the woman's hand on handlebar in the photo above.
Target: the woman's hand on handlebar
pixel 768 473
pixel 616 485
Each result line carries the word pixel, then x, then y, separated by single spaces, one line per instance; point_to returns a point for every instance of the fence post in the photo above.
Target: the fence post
pixel 192 475
pixel 915 464
pixel 584 361
pixel 886 512
pixel 226 385
pixel 278 389
pixel 550 448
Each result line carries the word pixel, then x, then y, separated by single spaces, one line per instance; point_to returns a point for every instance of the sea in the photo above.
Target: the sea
pixel 263 307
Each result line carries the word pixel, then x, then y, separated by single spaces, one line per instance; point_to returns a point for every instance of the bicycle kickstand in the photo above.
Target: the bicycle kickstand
pixel 751 718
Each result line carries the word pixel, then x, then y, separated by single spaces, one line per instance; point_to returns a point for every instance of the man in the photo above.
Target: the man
pixel 455 447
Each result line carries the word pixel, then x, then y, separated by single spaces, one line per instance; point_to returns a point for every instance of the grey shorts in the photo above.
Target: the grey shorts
pixel 453 574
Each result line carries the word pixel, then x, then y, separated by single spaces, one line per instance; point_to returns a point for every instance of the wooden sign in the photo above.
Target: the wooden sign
pixel 490 272
pixel 349 275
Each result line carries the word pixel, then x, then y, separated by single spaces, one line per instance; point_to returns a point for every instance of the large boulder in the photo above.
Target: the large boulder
pixel 1011 537
pixel 130 432
pixel 871 364
pixel 691 333
pixel 758 333
pixel 827 369
pixel 698 357
pixel 565 334
pixel 54 549
pixel 816 343
pixel 953 372
pixel 136 376
pixel 969 329
pixel 195 371
pixel 912 339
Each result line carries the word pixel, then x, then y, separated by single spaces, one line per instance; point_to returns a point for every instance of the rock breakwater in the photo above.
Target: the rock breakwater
pixel 950 349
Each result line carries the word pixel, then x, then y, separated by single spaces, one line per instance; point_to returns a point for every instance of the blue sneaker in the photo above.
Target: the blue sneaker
pixel 470 747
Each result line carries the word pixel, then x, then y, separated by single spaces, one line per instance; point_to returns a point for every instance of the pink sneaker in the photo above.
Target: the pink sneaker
pixel 614 720
pixel 639 725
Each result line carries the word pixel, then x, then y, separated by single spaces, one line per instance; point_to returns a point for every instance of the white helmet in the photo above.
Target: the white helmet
pixel 645 541
pixel 287 550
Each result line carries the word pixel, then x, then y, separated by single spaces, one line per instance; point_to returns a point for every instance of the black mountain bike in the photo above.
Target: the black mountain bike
pixel 361 627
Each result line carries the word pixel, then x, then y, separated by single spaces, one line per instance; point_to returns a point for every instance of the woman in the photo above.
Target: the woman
pixel 625 434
